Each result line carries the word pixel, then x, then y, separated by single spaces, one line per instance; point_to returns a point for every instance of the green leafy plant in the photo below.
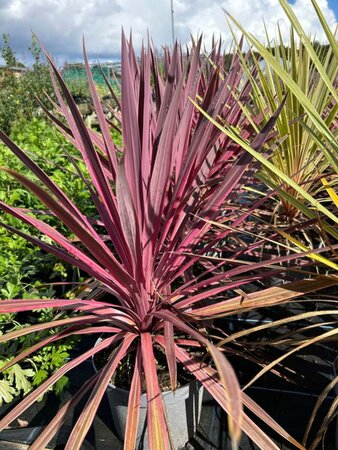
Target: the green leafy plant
pixel 18 90
pixel 25 271
pixel 22 266
pixel 21 378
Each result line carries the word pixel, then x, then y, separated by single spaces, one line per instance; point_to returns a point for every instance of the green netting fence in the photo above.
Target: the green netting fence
pixel 77 73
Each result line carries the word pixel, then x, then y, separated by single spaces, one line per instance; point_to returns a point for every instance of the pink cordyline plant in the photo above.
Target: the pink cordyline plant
pixel 157 198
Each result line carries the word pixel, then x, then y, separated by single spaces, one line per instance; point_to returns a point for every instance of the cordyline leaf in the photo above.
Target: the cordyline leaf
pixel 330 191
pixel 134 403
pixel 183 132
pixel 55 424
pixel 330 36
pixel 10 306
pixel 244 266
pixel 109 144
pixel 82 262
pixel 109 86
pixel 146 112
pixel 269 297
pixel 231 387
pixel 158 433
pixel 304 248
pixel 67 133
pixel 176 320
pixel 293 19
pixel 170 352
pixel 201 145
pixel 102 310
pixel 57 336
pixel 258 238
pixel 332 412
pixel 162 166
pixel 81 134
pixel 130 132
pixel 86 418
pixel 17 305
pixel 308 342
pixel 319 402
pixel 220 194
pixel 98 312
pixel 276 323
pixel 128 220
pixel 47 325
pixel 106 203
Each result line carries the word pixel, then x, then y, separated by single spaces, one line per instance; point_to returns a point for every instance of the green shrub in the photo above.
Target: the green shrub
pixel 18 93
pixel 25 271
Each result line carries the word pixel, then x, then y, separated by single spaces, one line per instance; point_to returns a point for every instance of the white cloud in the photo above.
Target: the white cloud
pixel 60 24
pixel 251 15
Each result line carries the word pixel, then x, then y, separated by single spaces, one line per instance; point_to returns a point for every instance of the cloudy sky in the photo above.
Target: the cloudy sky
pixel 60 24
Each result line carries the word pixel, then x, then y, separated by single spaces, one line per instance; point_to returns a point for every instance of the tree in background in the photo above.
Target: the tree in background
pixel 18 90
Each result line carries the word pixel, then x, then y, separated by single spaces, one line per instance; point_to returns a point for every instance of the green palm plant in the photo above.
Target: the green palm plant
pixel 308 74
